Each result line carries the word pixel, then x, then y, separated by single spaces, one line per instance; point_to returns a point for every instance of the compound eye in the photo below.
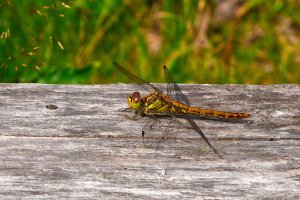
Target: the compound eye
pixel 136 97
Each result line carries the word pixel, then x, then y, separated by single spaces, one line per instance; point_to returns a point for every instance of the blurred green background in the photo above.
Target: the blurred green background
pixel 221 41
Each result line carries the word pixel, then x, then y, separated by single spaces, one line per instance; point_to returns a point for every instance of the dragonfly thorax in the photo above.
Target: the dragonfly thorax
pixel 134 101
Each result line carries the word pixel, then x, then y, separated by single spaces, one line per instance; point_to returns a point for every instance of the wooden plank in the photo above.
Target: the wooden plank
pixel 86 148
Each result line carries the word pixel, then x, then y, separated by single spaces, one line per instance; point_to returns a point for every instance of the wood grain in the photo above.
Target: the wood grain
pixel 72 141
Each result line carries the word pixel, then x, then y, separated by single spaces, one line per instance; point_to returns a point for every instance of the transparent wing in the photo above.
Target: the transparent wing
pixel 144 84
pixel 198 130
pixel 173 89
pixel 158 132
pixel 175 92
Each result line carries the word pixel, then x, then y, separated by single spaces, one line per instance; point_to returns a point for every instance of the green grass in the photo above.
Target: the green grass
pixel 51 41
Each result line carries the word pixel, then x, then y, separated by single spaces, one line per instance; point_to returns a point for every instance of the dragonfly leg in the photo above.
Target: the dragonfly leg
pixel 152 125
pixel 137 116
pixel 152 121
pixel 124 109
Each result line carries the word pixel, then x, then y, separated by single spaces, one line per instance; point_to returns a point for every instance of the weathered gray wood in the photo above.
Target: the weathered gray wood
pixel 87 149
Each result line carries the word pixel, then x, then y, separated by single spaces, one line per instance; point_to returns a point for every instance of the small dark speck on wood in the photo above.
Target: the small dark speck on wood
pixel 88 149
pixel 51 107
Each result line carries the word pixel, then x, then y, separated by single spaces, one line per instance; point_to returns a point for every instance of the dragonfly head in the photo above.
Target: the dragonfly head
pixel 134 101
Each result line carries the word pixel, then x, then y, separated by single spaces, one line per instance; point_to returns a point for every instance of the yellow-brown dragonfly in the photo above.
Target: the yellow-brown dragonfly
pixel 172 104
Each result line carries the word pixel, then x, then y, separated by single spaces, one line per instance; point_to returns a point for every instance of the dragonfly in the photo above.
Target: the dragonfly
pixel 173 103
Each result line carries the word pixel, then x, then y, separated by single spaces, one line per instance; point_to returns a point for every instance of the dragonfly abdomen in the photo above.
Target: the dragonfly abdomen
pixel 216 113
pixel 182 108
